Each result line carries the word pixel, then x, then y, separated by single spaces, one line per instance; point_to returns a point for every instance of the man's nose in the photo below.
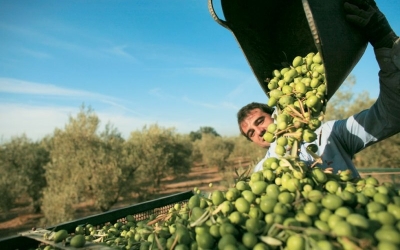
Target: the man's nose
pixel 259 130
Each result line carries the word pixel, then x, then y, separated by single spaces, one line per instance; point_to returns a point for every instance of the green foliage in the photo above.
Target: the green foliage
pixel 384 154
pixel 85 165
pixel 157 153
pixel 214 150
pixel 182 160
pixel 203 130
pixel 22 166
pixel 112 174
pixel 245 150
pixel 344 103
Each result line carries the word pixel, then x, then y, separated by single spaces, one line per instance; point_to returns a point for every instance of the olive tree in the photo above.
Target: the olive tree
pixel 22 166
pixel 112 175
pixel 86 165
pixel 345 103
pixel 246 151
pixel 197 135
pixel 214 150
pixel 157 152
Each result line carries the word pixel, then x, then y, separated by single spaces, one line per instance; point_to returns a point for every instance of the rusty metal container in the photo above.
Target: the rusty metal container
pixel 272 32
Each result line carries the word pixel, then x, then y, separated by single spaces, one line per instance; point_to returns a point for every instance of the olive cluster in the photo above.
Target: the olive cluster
pixel 299 94
pixel 277 208
pixel 286 208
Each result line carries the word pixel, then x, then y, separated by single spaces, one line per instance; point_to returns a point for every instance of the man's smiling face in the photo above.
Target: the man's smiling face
pixel 255 125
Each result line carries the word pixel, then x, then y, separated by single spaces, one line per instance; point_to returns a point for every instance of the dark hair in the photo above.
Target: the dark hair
pixel 245 111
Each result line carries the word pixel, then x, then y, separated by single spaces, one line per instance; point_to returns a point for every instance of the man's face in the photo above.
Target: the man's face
pixel 255 125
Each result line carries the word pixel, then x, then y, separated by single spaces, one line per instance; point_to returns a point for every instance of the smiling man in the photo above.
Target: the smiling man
pixel 254 119
pixel 338 141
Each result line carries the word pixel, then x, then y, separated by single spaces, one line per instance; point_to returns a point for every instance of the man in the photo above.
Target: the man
pixel 338 141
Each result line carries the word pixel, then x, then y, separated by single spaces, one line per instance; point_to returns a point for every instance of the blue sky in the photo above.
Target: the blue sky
pixel 135 63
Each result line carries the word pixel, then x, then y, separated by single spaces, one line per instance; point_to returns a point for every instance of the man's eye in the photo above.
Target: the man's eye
pixel 259 121
pixel 251 134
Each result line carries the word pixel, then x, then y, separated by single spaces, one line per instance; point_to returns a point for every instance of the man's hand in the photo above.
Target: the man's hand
pixel 371 21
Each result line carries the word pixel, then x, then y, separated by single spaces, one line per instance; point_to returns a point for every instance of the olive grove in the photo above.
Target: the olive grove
pixel 88 163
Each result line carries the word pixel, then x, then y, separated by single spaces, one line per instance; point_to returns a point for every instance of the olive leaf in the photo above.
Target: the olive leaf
pixel 270 241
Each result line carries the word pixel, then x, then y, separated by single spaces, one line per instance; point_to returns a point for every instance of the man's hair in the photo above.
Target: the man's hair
pixel 245 111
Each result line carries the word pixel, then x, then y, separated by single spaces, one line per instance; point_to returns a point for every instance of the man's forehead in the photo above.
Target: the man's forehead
pixel 253 113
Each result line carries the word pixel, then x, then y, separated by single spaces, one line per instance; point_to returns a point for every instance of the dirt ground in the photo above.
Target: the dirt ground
pixel 21 219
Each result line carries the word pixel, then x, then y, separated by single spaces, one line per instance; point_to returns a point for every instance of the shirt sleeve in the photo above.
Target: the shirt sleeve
pixel 382 120
pixel 349 136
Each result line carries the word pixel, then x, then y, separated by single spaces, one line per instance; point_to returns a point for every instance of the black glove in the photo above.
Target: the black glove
pixel 371 21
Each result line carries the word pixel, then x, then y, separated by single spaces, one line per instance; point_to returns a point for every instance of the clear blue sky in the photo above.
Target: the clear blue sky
pixel 135 63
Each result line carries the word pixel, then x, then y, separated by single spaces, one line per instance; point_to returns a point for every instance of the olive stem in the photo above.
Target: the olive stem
pixel 158 242
pixel 295 148
pixel 174 243
pixel 201 219
pixel 296 113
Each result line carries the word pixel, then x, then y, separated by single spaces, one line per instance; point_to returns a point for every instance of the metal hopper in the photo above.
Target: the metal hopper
pixel 272 32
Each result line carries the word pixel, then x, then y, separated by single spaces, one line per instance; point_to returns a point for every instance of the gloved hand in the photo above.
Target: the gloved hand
pixel 371 21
